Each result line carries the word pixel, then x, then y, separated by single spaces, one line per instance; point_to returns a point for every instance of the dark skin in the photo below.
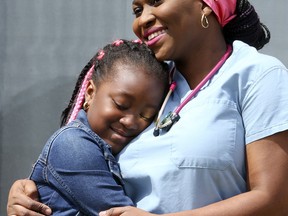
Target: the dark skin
pixel 25 194
pixel 195 51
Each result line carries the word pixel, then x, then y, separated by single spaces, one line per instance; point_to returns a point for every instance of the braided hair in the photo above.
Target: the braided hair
pixel 246 26
pixel 100 68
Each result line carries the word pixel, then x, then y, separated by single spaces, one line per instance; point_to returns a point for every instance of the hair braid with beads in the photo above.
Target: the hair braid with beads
pixel 66 112
pixel 246 26
pixel 102 64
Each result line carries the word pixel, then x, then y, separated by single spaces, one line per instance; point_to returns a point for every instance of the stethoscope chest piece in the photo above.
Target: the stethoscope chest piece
pixel 166 123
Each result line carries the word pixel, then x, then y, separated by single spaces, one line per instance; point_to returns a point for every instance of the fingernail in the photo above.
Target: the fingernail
pixel 102 213
pixel 48 211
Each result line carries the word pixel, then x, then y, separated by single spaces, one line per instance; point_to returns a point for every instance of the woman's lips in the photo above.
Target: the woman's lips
pixel 154 34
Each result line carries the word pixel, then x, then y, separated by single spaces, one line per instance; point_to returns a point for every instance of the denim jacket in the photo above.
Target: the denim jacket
pixel 76 173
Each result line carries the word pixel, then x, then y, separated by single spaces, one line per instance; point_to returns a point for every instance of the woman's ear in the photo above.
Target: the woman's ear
pixel 207 11
pixel 90 91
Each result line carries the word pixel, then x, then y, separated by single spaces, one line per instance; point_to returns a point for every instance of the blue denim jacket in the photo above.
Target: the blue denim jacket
pixel 76 173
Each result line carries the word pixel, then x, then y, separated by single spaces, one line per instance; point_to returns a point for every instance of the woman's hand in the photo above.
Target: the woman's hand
pixel 22 200
pixel 125 211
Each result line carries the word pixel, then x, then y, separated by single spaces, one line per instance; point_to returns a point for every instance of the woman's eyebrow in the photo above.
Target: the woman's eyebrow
pixel 135 2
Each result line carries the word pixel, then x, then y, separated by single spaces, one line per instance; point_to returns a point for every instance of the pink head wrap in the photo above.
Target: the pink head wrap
pixel 224 9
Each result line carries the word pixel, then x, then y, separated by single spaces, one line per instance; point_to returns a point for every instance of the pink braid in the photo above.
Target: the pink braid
pixel 118 42
pixel 101 54
pixel 137 41
pixel 81 95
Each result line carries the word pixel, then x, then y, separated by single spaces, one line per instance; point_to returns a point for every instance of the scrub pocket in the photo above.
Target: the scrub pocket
pixel 204 137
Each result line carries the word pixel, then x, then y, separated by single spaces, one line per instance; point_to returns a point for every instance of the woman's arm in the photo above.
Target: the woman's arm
pixel 22 200
pixel 267 162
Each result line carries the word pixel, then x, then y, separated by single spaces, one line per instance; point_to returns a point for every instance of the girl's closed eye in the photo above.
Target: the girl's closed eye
pixel 149 117
pixel 119 105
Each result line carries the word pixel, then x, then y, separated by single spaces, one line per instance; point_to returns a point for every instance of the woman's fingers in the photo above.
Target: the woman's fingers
pixel 22 200
pixel 125 211
pixel 114 211
pixel 18 210
pixel 25 206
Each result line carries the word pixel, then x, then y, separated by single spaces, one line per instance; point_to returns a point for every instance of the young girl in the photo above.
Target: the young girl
pixel 120 90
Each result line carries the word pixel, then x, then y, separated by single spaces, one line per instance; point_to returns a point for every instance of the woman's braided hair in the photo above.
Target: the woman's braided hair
pixel 246 26
pixel 100 68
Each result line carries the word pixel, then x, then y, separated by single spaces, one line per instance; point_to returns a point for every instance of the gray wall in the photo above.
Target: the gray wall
pixel 43 47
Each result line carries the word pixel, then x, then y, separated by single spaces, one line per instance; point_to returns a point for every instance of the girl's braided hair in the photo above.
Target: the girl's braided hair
pixel 246 26
pixel 100 68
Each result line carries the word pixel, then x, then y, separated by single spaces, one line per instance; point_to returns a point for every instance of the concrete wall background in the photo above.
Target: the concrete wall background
pixel 43 47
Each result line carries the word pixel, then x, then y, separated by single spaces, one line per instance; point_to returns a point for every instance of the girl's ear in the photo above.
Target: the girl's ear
pixel 90 91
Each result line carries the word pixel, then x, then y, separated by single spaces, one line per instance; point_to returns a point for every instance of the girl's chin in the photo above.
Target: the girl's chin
pixel 118 140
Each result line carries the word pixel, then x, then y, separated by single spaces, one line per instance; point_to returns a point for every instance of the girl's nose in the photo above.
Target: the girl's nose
pixel 130 122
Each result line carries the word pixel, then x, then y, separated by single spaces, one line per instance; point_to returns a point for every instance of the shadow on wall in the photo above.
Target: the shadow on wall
pixel 28 121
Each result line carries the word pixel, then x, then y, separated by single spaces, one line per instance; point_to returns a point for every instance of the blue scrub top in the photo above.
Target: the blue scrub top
pixel 201 160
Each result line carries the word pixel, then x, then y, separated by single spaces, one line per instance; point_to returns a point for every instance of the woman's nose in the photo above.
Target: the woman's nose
pixel 147 17
pixel 130 122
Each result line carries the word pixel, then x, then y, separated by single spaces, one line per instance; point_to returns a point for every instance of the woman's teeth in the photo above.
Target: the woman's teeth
pixel 155 34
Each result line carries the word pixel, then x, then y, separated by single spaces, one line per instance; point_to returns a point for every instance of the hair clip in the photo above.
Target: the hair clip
pixel 118 42
pixel 101 54
pixel 137 41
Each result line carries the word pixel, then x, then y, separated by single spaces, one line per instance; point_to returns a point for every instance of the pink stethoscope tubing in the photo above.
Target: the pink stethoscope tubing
pixel 173 117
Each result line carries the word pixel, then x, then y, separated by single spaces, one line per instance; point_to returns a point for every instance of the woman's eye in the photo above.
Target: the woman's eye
pixel 155 2
pixel 137 11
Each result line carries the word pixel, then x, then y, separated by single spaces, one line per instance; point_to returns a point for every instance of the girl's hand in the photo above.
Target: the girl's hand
pixel 22 200
pixel 125 211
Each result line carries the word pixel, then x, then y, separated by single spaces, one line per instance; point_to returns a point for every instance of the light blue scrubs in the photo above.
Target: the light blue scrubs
pixel 201 160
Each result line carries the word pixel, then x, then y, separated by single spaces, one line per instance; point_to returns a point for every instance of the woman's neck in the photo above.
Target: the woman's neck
pixel 199 63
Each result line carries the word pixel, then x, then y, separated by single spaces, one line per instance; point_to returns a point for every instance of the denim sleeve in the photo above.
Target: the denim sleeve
pixel 77 168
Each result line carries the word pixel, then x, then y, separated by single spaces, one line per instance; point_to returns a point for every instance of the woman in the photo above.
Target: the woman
pixel 227 152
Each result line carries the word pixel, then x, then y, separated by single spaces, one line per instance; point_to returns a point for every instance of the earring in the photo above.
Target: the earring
pixel 204 21
pixel 85 106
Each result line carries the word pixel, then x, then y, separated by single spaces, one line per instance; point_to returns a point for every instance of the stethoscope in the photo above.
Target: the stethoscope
pixel 172 117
